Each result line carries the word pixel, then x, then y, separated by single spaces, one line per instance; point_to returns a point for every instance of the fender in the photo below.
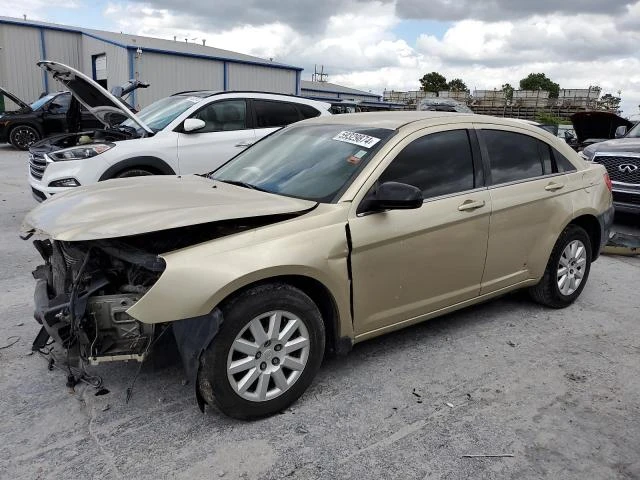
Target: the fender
pixel 137 162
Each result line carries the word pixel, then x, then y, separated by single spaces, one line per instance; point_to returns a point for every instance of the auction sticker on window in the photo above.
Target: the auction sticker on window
pixel 359 139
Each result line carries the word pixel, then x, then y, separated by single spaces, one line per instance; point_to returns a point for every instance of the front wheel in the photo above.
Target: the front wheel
pixel 23 136
pixel 134 172
pixel 567 270
pixel 268 350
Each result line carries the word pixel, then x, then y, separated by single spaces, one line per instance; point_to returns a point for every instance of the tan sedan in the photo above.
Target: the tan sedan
pixel 327 233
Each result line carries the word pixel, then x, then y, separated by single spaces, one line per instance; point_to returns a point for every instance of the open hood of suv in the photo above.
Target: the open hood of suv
pixel 131 206
pixel 23 105
pixel 597 125
pixel 102 104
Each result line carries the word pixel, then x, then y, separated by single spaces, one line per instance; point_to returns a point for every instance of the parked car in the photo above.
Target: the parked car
pixel 621 158
pixel 32 122
pixel 437 104
pixel 329 232
pixel 189 132
pixel 51 114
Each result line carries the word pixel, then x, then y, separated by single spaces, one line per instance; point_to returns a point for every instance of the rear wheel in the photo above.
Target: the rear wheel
pixel 23 136
pixel 134 172
pixel 266 354
pixel 567 270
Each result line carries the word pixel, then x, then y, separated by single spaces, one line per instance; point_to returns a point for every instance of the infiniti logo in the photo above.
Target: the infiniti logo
pixel 627 168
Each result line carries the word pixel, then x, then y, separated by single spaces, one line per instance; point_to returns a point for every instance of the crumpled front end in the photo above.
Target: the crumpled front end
pixel 82 293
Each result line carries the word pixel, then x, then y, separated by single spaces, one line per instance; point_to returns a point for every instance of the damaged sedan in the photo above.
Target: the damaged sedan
pixel 326 233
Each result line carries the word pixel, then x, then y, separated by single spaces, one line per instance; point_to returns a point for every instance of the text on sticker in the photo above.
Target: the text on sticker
pixel 359 139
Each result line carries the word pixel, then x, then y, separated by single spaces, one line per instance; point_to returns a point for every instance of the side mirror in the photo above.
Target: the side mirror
pixel 621 131
pixel 193 125
pixel 393 196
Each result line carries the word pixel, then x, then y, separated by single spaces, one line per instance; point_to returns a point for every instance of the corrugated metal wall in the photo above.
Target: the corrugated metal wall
pixel 265 79
pixel 64 47
pixel 117 60
pixel 18 56
pixel 169 74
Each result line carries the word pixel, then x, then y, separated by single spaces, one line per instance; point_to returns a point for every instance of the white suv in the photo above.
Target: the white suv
pixel 189 132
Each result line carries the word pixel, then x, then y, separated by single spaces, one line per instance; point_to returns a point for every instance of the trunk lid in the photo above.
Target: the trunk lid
pixel 132 206
pixel 89 93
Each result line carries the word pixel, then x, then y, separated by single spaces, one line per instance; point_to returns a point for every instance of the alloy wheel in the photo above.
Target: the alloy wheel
pixel 571 267
pixel 268 356
pixel 24 137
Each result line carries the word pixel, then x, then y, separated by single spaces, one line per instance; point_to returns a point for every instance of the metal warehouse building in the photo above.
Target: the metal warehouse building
pixel 114 58
pixel 331 91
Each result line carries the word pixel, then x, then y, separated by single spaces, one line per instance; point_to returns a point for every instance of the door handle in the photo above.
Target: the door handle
pixel 244 144
pixel 553 186
pixel 471 205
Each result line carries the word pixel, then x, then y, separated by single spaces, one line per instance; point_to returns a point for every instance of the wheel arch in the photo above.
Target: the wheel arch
pixel 154 164
pixel 591 225
pixel 25 123
pixel 320 295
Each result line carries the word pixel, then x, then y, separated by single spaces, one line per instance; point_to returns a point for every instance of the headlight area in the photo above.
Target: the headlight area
pixel 82 294
pixel 80 152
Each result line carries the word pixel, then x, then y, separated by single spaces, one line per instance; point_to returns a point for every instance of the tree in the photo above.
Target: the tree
pixel 610 102
pixel 508 91
pixel 539 81
pixel 433 82
pixel 457 85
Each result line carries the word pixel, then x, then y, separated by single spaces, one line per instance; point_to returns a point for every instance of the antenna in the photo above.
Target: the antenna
pixel 319 76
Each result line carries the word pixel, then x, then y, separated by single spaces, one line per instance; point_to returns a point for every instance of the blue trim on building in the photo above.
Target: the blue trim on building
pixel 298 83
pixel 132 74
pixel 225 76
pixel 43 56
pixel 152 50
pixel 363 94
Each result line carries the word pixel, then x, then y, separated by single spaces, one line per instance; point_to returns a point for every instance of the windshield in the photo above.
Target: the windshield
pixel 634 132
pixel 41 101
pixel 313 162
pixel 161 113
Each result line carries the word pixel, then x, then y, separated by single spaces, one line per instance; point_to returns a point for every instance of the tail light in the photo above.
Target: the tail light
pixel 607 181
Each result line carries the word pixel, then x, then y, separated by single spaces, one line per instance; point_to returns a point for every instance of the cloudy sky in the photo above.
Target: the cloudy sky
pixel 389 44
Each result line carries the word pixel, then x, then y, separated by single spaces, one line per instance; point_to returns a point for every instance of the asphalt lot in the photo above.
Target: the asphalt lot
pixel 557 389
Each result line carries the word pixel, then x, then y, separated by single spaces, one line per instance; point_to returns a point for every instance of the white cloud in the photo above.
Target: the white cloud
pixel 358 48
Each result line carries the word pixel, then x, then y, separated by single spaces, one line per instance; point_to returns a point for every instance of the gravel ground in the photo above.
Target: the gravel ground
pixel 557 389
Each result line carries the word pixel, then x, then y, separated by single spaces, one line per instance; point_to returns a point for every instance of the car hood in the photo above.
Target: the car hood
pixel 616 145
pixel 102 104
pixel 132 206
pixel 597 125
pixel 25 107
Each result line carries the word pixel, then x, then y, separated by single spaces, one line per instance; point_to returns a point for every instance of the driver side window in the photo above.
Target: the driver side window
pixel 438 164
pixel 60 104
pixel 223 116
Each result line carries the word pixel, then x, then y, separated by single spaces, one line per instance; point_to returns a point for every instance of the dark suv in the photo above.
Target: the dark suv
pixel 621 157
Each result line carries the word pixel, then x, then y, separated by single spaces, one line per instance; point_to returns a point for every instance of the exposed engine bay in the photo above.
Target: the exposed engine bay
pixel 84 289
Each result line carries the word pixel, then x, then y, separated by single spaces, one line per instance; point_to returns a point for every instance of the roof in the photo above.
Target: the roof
pixel 333 88
pixel 156 45
pixel 395 120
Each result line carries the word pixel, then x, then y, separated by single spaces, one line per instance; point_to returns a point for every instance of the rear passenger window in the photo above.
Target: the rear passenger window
pixel 562 162
pixel 307 111
pixel 274 114
pixel 438 164
pixel 513 156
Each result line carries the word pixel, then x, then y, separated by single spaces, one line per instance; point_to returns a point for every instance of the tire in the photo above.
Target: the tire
pixel 259 304
pixel 134 172
pixel 548 291
pixel 23 136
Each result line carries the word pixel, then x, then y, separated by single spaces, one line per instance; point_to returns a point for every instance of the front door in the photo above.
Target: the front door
pixel 407 263
pixel 224 136
pixel 54 114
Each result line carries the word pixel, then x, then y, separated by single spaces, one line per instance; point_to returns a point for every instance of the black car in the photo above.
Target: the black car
pixel 52 113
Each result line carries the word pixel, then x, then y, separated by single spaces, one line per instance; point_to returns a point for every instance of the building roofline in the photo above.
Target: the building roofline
pixel 363 94
pixel 91 34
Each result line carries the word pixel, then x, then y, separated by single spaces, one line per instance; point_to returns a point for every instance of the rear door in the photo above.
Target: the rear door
pixel 226 133
pixel 530 204
pixel 408 263
pixel 270 115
